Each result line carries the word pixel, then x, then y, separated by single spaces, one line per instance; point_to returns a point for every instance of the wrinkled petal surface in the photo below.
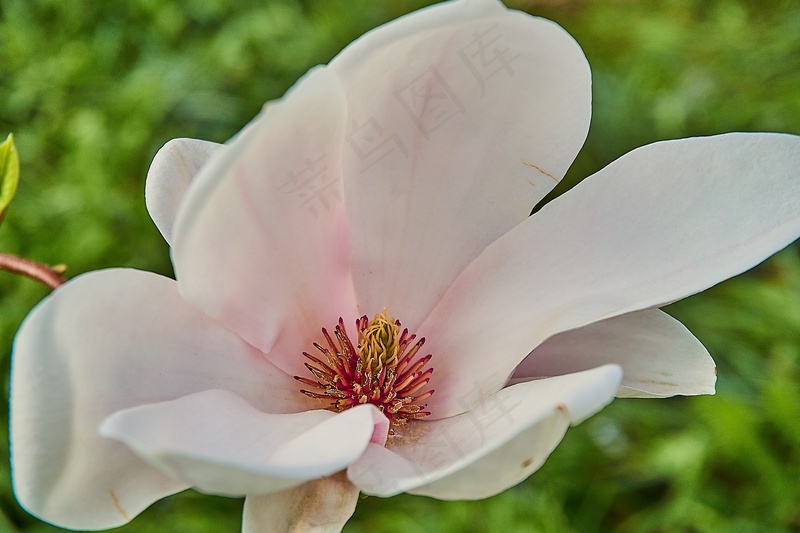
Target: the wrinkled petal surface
pixel 321 506
pixel 509 436
pixel 217 442
pixel 106 341
pixel 658 355
pixel 661 223
pixel 171 171
pixel 461 117
pixel 261 238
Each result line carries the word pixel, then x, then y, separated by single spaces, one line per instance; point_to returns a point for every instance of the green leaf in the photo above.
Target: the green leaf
pixel 9 173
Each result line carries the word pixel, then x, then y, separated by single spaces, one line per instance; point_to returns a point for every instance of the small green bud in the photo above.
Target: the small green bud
pixel 9 173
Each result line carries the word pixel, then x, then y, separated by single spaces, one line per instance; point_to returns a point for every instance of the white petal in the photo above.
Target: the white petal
pixel 321 506
pixel 504 467
pixel 219 443
pixel 103 342
pixel 169 176
pixel 261 238
pixel 661 223
pixel 460 118
pixel 658 355
pixel 428 18
pixel 508 435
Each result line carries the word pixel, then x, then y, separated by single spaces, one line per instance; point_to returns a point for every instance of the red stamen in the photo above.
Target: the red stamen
pixel 345 380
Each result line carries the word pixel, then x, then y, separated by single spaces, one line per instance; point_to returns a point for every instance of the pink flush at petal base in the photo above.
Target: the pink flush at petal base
pixel 393 183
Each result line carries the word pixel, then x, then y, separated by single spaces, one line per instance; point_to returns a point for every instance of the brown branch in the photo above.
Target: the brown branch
pixel 36 271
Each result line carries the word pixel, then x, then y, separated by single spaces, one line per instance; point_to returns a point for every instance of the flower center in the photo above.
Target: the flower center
pixel 380 369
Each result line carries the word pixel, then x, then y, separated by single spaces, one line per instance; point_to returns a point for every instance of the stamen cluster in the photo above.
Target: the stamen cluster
pixel 380 369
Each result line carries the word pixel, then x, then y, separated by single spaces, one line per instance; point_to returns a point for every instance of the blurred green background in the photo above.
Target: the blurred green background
pixel 92 89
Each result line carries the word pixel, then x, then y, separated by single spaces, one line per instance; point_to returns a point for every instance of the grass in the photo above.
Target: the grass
pixel 91 90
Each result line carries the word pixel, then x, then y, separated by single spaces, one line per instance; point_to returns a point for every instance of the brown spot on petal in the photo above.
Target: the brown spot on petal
pixel 658 382
pixel 527 462
pixel 529 164
pixel 118 507
pixel 715 371
pixel 561 408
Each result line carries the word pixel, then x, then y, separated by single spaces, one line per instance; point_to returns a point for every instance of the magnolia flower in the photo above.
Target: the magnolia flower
pixel 362 302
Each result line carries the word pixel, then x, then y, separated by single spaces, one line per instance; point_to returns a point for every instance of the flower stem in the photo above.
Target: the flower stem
pixel 36 271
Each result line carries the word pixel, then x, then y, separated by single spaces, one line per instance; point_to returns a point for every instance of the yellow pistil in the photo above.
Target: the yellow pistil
pixel 382 369
pixel 378 343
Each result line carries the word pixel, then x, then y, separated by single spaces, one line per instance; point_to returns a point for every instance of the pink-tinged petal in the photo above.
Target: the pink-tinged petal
pixel 217 442
pixel 658 355
pixel 107 341
pixel 321 506
pixel 169 176
pixel 424 19
pixel 458 123
pixel 490 448
pixel 663 222
pixel 261 238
